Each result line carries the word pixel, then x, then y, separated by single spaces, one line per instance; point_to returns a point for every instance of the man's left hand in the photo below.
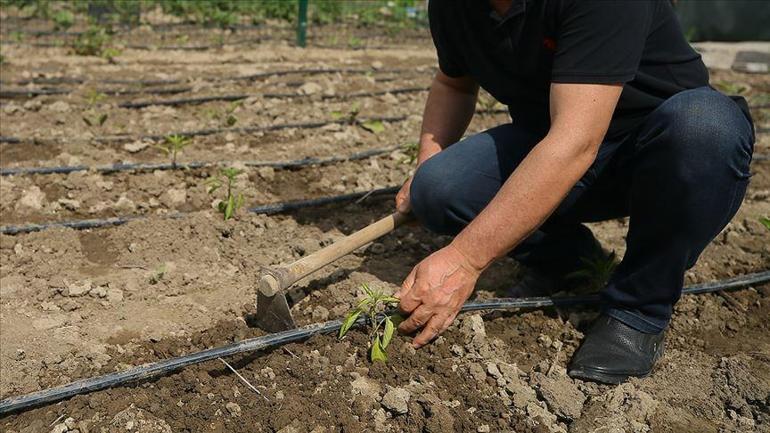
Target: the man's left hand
pixel 434 292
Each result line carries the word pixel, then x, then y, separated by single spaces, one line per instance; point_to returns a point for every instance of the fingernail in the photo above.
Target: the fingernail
pixel 397 294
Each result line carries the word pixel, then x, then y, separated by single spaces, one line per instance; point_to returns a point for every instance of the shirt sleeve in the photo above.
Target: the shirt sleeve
pixel 449 60
pixel 599 41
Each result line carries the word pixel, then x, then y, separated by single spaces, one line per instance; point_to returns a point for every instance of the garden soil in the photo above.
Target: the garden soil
pixel 75 304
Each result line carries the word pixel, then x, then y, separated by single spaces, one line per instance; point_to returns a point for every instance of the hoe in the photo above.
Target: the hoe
pixel 273 314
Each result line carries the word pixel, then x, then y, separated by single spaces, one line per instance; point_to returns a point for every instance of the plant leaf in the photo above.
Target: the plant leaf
pixel 88 122
pixel 390 299
pixel 349 321
pixel 377 353
pixel 373 126
pixel 397 318
pixel 765 222
pixel 387 333
pixel 229 208
pixel 102 118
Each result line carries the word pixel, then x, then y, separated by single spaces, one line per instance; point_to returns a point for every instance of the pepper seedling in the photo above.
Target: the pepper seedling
pixel 232 202
pixel 172 145
pixel 765 222
pixel 382 325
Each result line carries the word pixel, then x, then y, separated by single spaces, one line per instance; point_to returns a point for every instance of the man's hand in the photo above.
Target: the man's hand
pixel 402 198
pixel 434 292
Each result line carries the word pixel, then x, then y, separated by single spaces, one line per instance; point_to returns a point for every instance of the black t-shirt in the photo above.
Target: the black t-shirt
pixel 538 42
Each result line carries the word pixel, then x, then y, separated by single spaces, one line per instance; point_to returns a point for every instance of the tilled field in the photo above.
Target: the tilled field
pixel 77 303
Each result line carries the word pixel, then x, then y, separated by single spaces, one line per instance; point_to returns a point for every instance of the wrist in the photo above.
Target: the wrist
pixel 475 259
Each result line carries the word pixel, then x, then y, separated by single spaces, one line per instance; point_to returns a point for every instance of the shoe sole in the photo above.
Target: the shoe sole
pixel 588 374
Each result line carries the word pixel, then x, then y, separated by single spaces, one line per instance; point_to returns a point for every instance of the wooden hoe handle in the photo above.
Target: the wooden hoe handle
pixel 274 280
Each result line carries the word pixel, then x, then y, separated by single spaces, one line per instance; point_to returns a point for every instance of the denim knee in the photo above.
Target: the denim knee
pixel 431 197
pixel 699 134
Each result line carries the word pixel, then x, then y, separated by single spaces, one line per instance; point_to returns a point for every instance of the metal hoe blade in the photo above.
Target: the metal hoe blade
pixel 273 314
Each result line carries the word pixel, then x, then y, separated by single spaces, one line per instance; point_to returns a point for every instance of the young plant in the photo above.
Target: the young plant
pixel 91 116
pixel 350 116
pixel 382 325
pixel 172 145
pixel 765 222
pixel 411 150
pixel 232 202
pixel 596 271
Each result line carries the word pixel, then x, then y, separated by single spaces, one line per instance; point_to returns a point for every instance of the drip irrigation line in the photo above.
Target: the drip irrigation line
pixel 168 91
pixel 167 366
pixel 249 77
pixel 351 95
pixel 30 93
pixel 112 168
pixel 247 129
pixel 267 209
pixel 238 97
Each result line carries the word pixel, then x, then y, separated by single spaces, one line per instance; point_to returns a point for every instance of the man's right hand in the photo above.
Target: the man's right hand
pixel 402 198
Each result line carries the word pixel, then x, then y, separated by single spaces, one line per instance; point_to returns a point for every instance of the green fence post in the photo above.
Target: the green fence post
pixel 302 24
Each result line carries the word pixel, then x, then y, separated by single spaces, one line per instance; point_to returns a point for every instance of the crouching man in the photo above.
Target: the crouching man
pixel 612 116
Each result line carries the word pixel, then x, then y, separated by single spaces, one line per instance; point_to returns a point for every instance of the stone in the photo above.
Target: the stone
pixel 135 146
pixel 59 107
pixel 477 372
pixel 70 423
pixel 31 199
pixel 98 292
pixel 473 330
pixel 320 314
pixel 114 295
pixel 125 204
pixel 521 393
pixel 493 371
pixel 309 88
pixel 396 400
pixel 76 290
pixel 174 197
pixel 561 394
pixel 377 65
pixel 69 204
pixel 60 428
pixel 366 387
pixel 484 428
pixel 267 173
pixel 33 105
pixel 233 408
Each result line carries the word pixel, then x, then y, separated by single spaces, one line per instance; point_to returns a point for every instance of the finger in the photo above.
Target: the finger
pixel 406 286
pixel 432 329
pixel 416 320
pixel 403 205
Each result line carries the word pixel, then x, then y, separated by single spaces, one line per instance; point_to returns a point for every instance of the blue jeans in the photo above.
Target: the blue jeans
pixel 680 176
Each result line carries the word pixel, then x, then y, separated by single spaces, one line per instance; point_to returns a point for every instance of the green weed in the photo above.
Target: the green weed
pixel 382 325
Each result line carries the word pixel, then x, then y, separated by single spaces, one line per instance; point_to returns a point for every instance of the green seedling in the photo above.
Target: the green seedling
pixel 765 222
pixel 382 325
pixel 373 126
pixel 732 88
pixel 350 116
pixel 91 116
pixel 355 42
pixel 158 274
pixel 172 145
pixel 596 272
pixel 62 20
pixel 95 120
pixel 232 202
pixel 411 150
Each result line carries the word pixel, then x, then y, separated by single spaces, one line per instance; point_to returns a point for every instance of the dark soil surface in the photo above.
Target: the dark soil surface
pixel 74 304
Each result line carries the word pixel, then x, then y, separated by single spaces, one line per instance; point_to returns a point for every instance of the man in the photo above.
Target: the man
pixel 611 116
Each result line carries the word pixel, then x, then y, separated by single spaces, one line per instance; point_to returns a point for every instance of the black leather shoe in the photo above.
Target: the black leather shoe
pixel 613 351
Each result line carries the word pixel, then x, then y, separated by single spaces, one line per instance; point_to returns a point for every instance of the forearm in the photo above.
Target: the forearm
pixel 526 199
pixel 448 111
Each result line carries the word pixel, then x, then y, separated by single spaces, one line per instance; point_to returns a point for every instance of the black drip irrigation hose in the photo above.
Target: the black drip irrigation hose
pixel 112 168
pixel 247 129
pixel 116 139
pixel 249 77
pixel 30 93
pixel 160 368
pixel 267 209
pixel 241 96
